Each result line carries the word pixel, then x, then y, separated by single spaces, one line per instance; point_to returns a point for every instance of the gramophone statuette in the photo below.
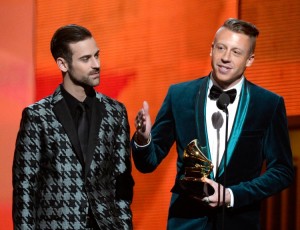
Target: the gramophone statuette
pixel 196 164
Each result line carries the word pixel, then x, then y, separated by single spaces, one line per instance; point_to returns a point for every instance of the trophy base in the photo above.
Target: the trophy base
pixel 192 187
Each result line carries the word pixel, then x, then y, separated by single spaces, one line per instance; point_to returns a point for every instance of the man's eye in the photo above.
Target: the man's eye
pixel 85 59
pixel 237 52
pixel 220 48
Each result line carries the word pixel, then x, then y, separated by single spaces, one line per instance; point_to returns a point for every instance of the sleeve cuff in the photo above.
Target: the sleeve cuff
pixel 143 146
pixel 230 205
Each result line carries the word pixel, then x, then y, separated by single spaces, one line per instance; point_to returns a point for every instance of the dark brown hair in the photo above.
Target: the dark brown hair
pixel 63 37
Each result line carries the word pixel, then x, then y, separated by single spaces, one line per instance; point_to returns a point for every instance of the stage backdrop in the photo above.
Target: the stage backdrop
pixel 145 47
pixel 17 87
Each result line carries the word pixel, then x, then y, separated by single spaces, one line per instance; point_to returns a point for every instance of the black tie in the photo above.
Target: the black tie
pixel 83 128
pixel 215 93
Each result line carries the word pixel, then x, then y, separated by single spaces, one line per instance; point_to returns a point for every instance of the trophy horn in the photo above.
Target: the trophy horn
pixel 196 164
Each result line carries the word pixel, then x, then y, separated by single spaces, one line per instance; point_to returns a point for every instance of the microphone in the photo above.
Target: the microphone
pixel 217 120
pixel 223 102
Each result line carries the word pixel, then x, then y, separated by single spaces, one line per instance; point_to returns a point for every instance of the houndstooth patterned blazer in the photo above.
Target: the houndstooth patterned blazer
pixel 52 187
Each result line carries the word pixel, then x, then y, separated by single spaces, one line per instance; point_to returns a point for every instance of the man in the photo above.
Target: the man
pixel 69 179
pixel 257 133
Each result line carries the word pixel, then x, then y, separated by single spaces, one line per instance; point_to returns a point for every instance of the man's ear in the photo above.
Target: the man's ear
pixel 211 49
pixel 250 60
pixel 62 64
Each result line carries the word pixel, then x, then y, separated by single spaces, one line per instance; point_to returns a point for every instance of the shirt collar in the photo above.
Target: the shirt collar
pixel 72 102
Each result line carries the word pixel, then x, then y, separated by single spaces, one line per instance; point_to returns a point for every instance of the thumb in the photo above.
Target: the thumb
pixel 146 108
pixel 206 180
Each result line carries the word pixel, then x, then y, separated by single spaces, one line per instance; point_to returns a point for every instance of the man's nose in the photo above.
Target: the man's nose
pixel 226 55
pixel 96 62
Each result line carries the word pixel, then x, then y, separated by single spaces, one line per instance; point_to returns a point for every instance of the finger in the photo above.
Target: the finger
pixel 140 114
pixel 139 119
pixel 206 200
pixel 206 180
pixel 139 125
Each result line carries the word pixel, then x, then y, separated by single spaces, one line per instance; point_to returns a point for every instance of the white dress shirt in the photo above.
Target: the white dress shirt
pixel 215 132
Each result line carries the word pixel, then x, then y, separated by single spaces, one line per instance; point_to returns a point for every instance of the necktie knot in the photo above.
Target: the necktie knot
pixel 215 93
pixel 81 108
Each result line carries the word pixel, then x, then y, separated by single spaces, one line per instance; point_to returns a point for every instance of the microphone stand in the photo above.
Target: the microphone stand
pixel 225 161
pixel 217 120
pixel 222 104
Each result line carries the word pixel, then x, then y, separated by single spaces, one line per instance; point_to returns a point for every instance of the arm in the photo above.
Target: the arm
pixel 157 145
pixel 25 170
pixel 124 181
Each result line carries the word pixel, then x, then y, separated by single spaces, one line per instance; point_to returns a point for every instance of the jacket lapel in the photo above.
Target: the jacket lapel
pixel 96 119
pixel 238 125
pixel 201 121
pixel 62 113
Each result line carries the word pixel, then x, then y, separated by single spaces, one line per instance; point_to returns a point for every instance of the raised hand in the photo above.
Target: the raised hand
pixel 143 125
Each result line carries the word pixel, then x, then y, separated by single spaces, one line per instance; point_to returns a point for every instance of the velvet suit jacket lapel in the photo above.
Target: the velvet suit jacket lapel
pixel 237 125
pixel 236 129
pixel 201 121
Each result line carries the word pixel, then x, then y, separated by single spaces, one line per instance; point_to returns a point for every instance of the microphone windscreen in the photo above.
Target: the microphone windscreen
pixel 223 101
pixel 217 120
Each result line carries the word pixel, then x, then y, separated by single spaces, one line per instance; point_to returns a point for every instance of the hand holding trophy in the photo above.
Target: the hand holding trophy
pixel 196 166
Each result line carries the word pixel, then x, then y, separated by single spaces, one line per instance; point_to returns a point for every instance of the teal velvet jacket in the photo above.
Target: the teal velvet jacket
pixel 259 135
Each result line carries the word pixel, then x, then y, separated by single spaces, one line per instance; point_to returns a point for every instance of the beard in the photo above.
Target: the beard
pixel 85 80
